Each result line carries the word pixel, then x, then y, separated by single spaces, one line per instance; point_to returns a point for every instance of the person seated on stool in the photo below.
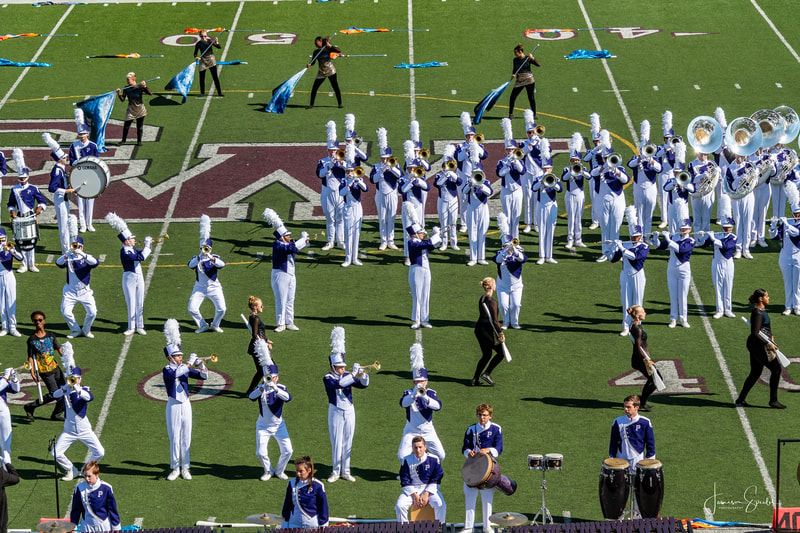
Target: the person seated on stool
pixel 420 477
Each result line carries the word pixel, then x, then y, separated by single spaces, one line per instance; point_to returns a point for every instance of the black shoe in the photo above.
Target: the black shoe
pixel 58 417
pixel 488 379
pixel 138 144
pixel 741 403
pixel 474 383
pixel 309 107
pixel 646 408
pixel 340 106
pixel 511 115
pixel 777 405
pixel 29 409
pixel 123 141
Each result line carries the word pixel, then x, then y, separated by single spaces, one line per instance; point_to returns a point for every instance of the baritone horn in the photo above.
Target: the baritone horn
pixel 478 177
pixel 424 154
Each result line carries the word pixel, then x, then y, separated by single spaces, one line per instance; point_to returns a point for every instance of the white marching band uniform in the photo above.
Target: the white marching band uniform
pixel 645 189
pixel 352 212
pixel 722 268
pixel 76 425
pixel 703 206
pixel 547 205
pixel 78 265
pixel 58 186
pixel 411 189
pixel 271 399
pixel 133 282
pixel 448 183
pixel 476 437
pixel 761 197
pixel 613 203
pixel 206 267
pixel 385 179
pixel 511 171
pixel 418 475
pixel 679 273
pixel 79 150
pixel 342 416
pixel 509 284
pixel 533 170
pixel 24 199
pixel 574 199
pixel 788 232
pixel 743 208
pixel 632 279
pixel 283 280
pixel 8 381
pixel 8 287
pixel 419 274
pixel 419 421
pixel 331 172
pixel 179 410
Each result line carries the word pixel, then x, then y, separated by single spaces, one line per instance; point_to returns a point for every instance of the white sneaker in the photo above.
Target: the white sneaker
pixel 33 269
pixel 83 228
pixel 594 225
pixel 334 478
pixel 536 229
pixel 186 475
pixel 4 332
pixel 551 261
pixel 203 328
pixel 72 474
pixel 327 246
pixel 427 325
pixel 454 247
pixel 752 243
pixel 282 475
pixel 737 254
pixel 407 262
pixel 540 261
pixel 516 326
pixel 357 263
pixel 729 314
pixel 747 255
pixel 217 329
pixel 129 332
pixel 442 248
pixel 172 476
pixel 22 269
pixel 569 245
pixel 624 332
pixel 265 477
pixel 526 229
pixel 488 529
pixel 280 328
pixel 504 327
pixel 483 262
pixel 718 314
pixel 348 477
pixel 466 530
pixel 671 324
pixel 340 246
pixel 392 246
pixel 685 323
pixel 796 312
pixel 15 333
pixel 73 334
pixel 90 228
pixel 580 244
pixel 141 331
pixel 471 263
pixel 292 327
pixel 345 264
pixel 762 243
pixel 415 325
pixel 382 247
pixel 463 228
pixel 602 259
pixel 88 334
pixel 662 225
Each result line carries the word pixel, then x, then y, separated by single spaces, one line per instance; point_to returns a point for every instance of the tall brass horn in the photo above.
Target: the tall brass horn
pixel 743 136
pixel 705 134
pixel 539 130
pixel 450 164
pixel 424 154
pixel 772 126
pixel 418 172
pixel 478 177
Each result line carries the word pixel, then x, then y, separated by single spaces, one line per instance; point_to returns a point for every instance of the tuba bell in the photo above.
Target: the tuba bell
pixel 705 134
pixel 772 126
pixel 791 121
pixel 478 177
pixel 743 136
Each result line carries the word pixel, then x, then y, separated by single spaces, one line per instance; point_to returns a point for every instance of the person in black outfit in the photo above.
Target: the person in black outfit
pixel 761 352
pixel 640 355
pixel 322 56
pixel 490 336
pixel 524 79
pixel 42 347
pixel 136 108
pixel 204 53
pixel 258 331
pixel 8 477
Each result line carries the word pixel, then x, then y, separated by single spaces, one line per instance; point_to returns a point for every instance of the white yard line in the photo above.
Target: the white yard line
pixel 412 89
pixel 774 29
pixel 36 56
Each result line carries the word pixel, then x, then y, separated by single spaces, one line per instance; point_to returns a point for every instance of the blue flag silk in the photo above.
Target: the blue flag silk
pixel 97 110
pixel 282 93
pixel 233 62
pixel 182 82
pixel 488 102
pixel 429 64
pixel 588 54
pixel 9 63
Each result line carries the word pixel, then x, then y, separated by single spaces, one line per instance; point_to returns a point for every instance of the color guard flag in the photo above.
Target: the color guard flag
pixel 488 102
pixel 9 63
pixel 281 93
pixel 182 82
pixel 97 111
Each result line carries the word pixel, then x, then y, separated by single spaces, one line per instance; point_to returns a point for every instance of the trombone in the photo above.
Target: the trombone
pixel 358 171
pixel 339 155
pixel 418 172
pixel 518 153
pixel 450 165
pixel 539 130
pixel 392 161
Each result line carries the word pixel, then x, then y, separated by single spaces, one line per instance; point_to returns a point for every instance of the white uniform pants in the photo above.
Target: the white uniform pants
pixel 85 298
pixel 744 210
pixel 790 268
pixel 527 198
pixel 679 277
pixel 663 196
pixel 283 287
pixel 8 301
pixel 332 208
pixel 631 292
pixel 761 196
pixel 133 288
pixel 448 220
pixel 212 291
pixel 471 498
pixel 81 433
pixel 613 211
pixel 675 214
pixel 85 211
pixel 597 207
pixel 701 212
pixel 353 213
pixel 722 277
pixel 427 432
pixel 645 197
pixel 512 207
pixel 778 200
pixel 341 427
pixel 509 294
pixel 548 215
pixel 179 430
pixel 574 201
pixel 387 212
pixel 5 430
pixel 265 431
pixel 435 500
pixel 419 280
pixel 62 216
pixel 477 226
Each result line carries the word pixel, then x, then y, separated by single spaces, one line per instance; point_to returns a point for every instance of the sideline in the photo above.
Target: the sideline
pixel 775 29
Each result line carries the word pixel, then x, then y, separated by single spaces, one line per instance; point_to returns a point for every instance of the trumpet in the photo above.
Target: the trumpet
pixel 418 172
pixel 358 171
pixel 376 366
pixel 201 360
pixel 683 178
pixel 9 245
pixel 72 381
pixel 357 140
pixel 575 170
pixel 549 180
pixel 424 154
pixel 392 161
pixel 339 155
pixel 75 245
pixel 422 391
pixel 479 138
pixel 26 366
pixel 675 140
pixel 539 130
pixel 649 150
pixel 518 153
pixel 450 164
pixel 613 160
pixel 156 241
pixel 478 177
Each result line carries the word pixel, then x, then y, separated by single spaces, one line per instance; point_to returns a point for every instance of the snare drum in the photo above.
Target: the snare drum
pixel 536 462
pixel 614 488
pixel 89 177
pixel 553 461
pixel 649 487
pixel 26 231
pixel 483 472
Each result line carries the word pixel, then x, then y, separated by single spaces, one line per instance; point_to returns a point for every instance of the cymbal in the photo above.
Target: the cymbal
pixel 54 526
pixel 265 519
pixel 508 519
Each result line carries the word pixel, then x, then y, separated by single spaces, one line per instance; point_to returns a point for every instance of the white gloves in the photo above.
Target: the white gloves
pixel 192 359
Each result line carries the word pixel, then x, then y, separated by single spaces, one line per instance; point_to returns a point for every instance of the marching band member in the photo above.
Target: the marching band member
pixel 3 172
pixel 722 263
pixel 666 156
pixel 419 403
pixel 42 347
pixel 722 157
pixel 784 157
pixel 645 181
pixel 257 331
pixel 411 188
pixel 448 183
pixel 420 476
pixel 25 200
pixel 739 170
pixel 510 170
pixel 59 186
pixel 478 191
pixel 385 177
pixel 632 279
pixel 176 376
pixel 611 195
pixel 79 149
pixel 594 157
pixel 466 166
pixel 573 177
pixel 678 191
pixel 533 163
pixel 331 171
pixel 350 190
pixel 78 265
pixel 9 381
pixel 283 281
pixel 788 231
pixel 640 358
pixel 206 265
pixel 341 413
pixel 136 108
pixel 679 270
pixel 8 286
pixel 94 507
pixel 701 168
pixel 509 261
pixel 484 438
pixel 352 138
pixel 419 275
pixel 632 436
pixel 271 398
pixel 765 162
pixel 489 334
pixel 76 425
pixel 546 187
pixel 132 277
pixel 305 504
pixel 419 161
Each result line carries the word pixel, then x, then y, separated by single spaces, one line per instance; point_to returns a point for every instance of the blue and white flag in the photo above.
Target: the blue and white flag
pixel 97 111
pixel 182 82
pixel 589 54
pixel 9 63
pixel 281 93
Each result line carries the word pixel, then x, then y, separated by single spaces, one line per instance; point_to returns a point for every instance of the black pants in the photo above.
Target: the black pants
pixel 53 380
pixel 127 125
pixel 531 98
pixel 758 360
pixel 214 75
pixel 257 377
pixel 334 84
pixel 649 386
pixel 486 342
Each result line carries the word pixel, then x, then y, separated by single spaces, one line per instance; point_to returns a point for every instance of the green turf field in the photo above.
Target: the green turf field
pixel 562 390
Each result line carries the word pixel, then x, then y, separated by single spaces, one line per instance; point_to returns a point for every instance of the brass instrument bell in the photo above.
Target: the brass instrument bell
pixel 358 171
pixel 340 154
pixel 539 130
pixel 479 138
pixel 418 172
pixel 392 161
pixel 450 164
pixel 424 154
pixel 518 153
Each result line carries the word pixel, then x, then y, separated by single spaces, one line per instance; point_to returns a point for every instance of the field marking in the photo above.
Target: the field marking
pixel 411 80
pixel 774 29
pixel 36 56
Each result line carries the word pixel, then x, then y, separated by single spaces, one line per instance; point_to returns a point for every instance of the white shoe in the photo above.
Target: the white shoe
pixel 685 323
pixel 463 228
pixel 73 334
pixel 488 529
pixel 72 474
pixel 580 244
pixel 454 247
pixel 407 262
pixel 217 329
pixel 466 530
pixel 729 314
pixel 594 225
pixel 22 269
pixel 265 477
pixel 442 248
pixel 33 269
pixel 340 246
pixel 752 243
pixel 90 228
pixel 4 332
pixel 737 254
pixel 334 478
pixel 536 229
pixel 392 246
pixel 747 255
pixel 345 264
pixel 357 263
pixel 503 327
pixel 327 246
pixel 526 229
pixel 516 326
pixel 129 332
pixel 796 312
pixel 602 259
pixel 292 327
pixel 382 247
pixel 83 228
pixel 88 334
pixel 280 328
pixel 415 325
pixel 551 261
pixel 282 475
pixel 427 325
pixel 624 332
pixel 540 261
pixel 569 245
pixel 186 475
pixel 718 314
pixel 15 333
pixel 662 225
pixel 202 328
pixel 483 262
pixel 471 263
pixel 348 477
pixel 141 331
pixel 671 324
pixel 762 243
pixel 786 312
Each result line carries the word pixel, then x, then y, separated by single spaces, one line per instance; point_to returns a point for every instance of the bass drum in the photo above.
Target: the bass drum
pixel 483 472
pixel 89 177
pixel 614 488
pixel 649 487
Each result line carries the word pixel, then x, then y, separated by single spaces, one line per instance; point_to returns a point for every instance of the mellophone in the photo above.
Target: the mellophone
pixel 615 486
pixel 483 472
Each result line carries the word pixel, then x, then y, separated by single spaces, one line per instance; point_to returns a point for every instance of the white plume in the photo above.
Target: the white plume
pixel 644 132
pixel 408 149
pixel 449 152
pixel 19 159
pixel 605 139
pixel 272 218
pixel 666 122
pixel 724 201
pixel 502 223
pixel 47 138
pixel 474 153
pixel 349 122
pixel 630 216
pixel 719 115
pixel 792 194
pixel 331 125
pixel 262 351
pixel 172 332
pixel 72 223
pixel 507 131
pixel 79 118
pixel 546 153
pixel 350 153
pixel 466 120
pixel 411 214
pixel 576 144
pixel 680 152
pixel 414 131
pixel 383 142
pixel 337 340
pixel 205 228
pixel 683 211
pixel 417 358
pixel 116 222
pixel 594 119
pixel 528 116
pixel 68 357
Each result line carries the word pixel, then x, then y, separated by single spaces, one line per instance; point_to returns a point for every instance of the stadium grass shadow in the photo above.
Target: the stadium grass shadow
pixel 404 374
pixel 350 320
pixel 578 403
pixel 161 100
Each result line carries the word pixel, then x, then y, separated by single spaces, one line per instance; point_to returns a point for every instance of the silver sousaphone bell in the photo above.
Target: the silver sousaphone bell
pixel 705 134
pixel 772 126
pixel 743 136
pixel 791 122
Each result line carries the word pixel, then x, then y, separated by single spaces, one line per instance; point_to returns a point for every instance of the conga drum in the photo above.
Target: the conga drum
pixel 649 487
pixel 483 472
pixel 614 488
pixel 421 514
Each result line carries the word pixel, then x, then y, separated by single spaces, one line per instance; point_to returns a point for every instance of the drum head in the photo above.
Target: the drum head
pixel 649 464
pixel 476 469
pixel 613 463
pixel 421 514
pixel 89 177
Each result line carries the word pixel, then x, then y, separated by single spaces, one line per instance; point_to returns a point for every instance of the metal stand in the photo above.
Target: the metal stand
pixel 631 495
pixel 543 510
pixel 50 447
